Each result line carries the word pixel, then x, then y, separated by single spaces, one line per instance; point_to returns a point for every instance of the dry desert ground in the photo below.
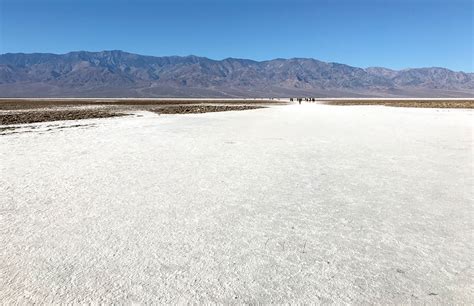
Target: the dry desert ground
pixel 306 203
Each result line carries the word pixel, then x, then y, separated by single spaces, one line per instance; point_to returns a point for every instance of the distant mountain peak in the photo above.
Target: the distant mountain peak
pixel 116 73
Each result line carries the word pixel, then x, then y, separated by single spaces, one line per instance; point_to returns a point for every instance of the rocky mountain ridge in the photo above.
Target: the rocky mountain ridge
pixel 121 74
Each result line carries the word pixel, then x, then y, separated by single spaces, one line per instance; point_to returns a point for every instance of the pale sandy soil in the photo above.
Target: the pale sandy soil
pixel 299 203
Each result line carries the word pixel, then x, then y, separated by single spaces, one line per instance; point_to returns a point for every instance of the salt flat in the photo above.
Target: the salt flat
pixel 297 203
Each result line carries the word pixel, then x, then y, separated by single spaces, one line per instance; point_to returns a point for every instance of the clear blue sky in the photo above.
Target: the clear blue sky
pixel 390 33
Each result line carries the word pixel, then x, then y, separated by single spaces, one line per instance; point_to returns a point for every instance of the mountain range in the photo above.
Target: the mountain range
pixel 121 74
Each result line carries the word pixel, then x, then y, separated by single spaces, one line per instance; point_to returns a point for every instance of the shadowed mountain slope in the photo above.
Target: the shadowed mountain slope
pixel 122 74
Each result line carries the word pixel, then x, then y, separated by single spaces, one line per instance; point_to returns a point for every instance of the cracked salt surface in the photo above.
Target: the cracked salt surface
pixel 299 203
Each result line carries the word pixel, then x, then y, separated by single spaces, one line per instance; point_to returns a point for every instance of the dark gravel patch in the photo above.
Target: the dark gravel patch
pixel 200 108
pixel 54 115
pixel 407 103
pixel 47 114
pixel 16 104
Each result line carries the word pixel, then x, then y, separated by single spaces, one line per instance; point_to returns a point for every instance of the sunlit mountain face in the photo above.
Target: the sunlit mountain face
pixel 122 74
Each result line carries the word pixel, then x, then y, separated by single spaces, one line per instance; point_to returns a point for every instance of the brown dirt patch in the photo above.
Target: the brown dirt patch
pixel 22 113
pixel 201 108
pixel 407 103
pixel 53 115
pixel 15 104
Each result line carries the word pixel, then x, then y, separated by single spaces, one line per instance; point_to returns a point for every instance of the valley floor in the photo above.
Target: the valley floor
pixel 291 203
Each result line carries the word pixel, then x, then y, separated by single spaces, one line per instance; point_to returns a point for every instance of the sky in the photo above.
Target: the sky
pixel 395 34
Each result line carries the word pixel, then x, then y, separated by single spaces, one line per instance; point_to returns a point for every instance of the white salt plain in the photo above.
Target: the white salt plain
pixel 299 203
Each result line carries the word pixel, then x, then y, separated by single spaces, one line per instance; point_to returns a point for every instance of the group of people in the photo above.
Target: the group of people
pixel 303 99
